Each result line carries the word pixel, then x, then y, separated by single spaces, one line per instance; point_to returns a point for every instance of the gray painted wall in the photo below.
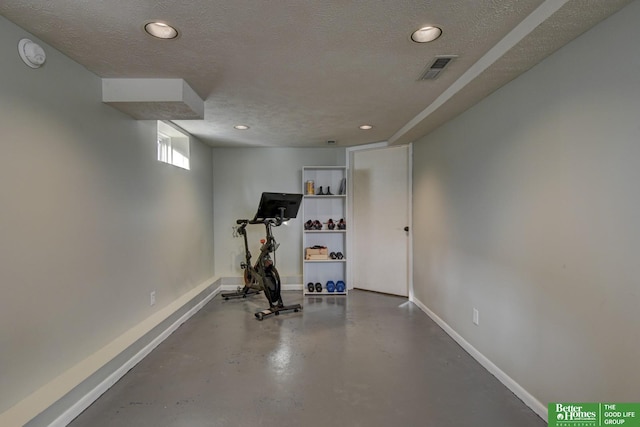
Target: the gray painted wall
pixel 526 207
pixel 240 176
pixel 90 222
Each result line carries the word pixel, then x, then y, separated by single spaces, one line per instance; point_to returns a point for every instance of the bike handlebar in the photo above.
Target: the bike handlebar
pixel 272 221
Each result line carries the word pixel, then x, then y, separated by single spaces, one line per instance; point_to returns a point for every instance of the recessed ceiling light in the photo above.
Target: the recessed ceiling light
pixel 241 127
pixel 161 30
pixel 426 34
pixel 365 127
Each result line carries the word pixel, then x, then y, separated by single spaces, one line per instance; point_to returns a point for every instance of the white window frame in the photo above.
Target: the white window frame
pixel 173 146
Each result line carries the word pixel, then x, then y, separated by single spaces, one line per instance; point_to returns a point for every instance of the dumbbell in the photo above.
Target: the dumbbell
pixel 331 287
pixel 340 286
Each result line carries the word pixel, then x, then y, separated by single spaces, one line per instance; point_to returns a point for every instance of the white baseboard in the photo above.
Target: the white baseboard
pixel 70 414
pixel 76 409
pixel 528 399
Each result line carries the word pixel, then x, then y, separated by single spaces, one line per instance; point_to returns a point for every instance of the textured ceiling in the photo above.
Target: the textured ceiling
pixel 300 73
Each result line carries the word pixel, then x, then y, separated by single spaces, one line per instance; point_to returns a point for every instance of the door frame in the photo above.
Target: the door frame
pixel 349 161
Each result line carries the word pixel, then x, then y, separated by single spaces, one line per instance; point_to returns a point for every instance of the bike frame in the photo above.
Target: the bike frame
pixel 256 275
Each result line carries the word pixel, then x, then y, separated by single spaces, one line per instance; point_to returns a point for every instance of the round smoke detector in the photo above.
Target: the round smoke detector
pixel 31 53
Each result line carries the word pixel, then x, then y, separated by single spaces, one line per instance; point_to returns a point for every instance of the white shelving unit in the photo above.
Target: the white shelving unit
pixel 322 208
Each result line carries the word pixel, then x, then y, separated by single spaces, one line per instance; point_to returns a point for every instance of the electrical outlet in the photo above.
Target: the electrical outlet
pixel 152 298
pixel 476 317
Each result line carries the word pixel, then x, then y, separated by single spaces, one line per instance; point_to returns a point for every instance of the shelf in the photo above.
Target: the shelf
pixel 324 168
pixel 322 207
pixel 323 293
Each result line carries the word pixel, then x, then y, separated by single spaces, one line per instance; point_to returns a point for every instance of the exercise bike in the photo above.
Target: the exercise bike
pixel 273 210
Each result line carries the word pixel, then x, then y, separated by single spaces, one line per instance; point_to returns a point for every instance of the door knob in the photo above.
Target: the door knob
pixel 406 229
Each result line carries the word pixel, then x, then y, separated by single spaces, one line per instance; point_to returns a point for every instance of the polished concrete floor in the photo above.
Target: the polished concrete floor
pixel 364 360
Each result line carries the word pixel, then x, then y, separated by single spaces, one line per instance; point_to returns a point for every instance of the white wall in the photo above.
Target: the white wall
pixel 240 176
pixel 90 222
pixel 527 208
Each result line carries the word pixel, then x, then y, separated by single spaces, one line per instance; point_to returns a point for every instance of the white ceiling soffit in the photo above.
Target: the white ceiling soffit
pixel 153 99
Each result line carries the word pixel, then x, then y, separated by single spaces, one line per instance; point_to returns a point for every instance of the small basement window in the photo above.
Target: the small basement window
pixel 173 146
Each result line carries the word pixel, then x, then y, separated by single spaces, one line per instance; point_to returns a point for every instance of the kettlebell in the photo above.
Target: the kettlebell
pixel 310 287
pixel 340 286
pixel 331 287
pixel 318 287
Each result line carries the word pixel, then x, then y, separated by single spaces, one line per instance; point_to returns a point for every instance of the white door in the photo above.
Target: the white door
pixel 381 203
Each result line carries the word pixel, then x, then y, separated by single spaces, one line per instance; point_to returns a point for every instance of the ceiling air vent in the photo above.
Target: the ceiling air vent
pixel 437 66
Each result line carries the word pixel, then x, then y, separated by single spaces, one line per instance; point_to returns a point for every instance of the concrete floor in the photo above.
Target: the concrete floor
pixel 364 360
